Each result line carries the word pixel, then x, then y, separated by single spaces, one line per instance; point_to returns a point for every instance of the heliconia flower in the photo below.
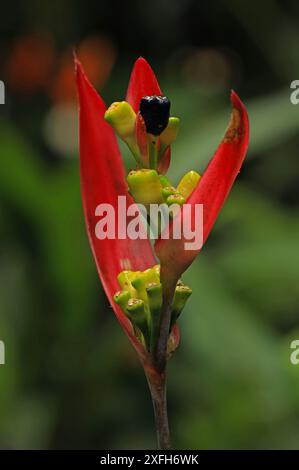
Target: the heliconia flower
pixel 148 298
pixel 103 179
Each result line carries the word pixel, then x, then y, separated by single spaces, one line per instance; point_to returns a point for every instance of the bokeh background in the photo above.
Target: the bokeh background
pixel 71 378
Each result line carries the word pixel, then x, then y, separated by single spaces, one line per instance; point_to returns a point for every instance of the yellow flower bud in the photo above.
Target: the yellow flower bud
pixel 168 191
pixel 181 295
pixel 122 298
pixel 122 118
pixel 188 183
pixel 125 279
pixel 175 198
pixel 145 186
pixel 170 133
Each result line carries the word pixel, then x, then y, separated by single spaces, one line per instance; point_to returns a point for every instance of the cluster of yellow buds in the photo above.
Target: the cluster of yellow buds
pixel 148 187
pixel 140 298
pixel 149 133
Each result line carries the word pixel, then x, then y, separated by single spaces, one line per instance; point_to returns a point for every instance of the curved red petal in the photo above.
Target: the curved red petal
pixel 102 181
pixel 142 82
pixel 211 191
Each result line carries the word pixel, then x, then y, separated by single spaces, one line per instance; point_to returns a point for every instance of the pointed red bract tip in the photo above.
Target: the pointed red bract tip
pixel 143 82
pixel 211 191
pixel 235 100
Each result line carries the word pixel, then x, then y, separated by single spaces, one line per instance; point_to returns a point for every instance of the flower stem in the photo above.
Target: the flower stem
pixel 156 375
pixel 161 350
pixel 152 150
pixel 157 386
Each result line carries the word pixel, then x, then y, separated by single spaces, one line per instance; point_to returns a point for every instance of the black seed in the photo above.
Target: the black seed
pixel 155 112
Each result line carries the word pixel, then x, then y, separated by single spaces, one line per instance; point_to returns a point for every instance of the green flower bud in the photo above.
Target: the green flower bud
pixel 139 285
pixel 168 191
pixel 155 298
pixel 175 198
pixel 125 279
pixel 181 295
pixel 188 183
pixel 121 298
pixel 171 132
pixel 154 292
pixel 141 299
pixel 142 279
pixel 169 135
pixel 137 314
pixel 151 275
pixel 145 186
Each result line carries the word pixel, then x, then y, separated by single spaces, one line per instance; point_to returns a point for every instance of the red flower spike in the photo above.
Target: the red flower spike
pixel 142 83
pixel 102 181
pixel 211 191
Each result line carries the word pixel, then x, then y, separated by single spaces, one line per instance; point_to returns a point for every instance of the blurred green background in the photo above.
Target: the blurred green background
pixel 71 378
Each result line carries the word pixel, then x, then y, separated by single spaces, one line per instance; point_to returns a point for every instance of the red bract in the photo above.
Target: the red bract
pixel 211 191
pixel 142 83
pixel 102 181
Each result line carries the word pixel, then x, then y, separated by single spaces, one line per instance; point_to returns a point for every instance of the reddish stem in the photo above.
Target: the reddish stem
pixel 157 386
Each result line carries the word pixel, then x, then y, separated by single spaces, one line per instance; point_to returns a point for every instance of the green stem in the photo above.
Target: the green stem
pixel 161 350
pixel 135 151
pixel 152 152
pixel 157 386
